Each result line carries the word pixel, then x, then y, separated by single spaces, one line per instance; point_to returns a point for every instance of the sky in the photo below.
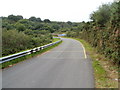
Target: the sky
pixel 55 10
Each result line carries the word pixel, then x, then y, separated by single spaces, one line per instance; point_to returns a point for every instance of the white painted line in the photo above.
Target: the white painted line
pixel 84 50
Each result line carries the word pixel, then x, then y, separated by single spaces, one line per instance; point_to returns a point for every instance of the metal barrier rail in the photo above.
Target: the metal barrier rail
pixel 24 53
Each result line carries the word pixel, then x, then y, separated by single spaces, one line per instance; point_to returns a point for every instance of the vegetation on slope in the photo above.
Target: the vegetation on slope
pixel 20 34
pixel 103 31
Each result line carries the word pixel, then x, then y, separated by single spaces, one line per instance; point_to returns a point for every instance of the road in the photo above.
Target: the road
pixel 64 66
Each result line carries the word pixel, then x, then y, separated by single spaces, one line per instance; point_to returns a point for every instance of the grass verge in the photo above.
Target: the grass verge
pixel 105 72
pixel 55 39
pixel 12 62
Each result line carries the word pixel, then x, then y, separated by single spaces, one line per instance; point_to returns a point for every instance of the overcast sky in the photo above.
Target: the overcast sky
pixel 55 10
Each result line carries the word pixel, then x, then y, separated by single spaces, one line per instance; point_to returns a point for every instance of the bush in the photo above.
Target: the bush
pixel 14 41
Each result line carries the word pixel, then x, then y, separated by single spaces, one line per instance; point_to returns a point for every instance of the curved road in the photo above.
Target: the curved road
pixel 64 66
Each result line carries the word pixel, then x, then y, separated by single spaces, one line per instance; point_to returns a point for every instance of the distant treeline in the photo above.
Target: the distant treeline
pixel 20 34
pixel 103 32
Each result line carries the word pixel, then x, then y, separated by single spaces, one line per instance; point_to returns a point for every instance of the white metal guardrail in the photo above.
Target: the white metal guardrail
pixel 24 53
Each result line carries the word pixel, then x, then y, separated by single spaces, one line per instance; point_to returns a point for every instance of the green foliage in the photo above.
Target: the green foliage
pixel 14 41
pixel 34 19
pixel 70 23
pixel 21 34
pixel 103 31
pixel 55 27
pixel 47 21
pixel 115 17
pixel 102 15
pixel 20 27
pixel 15 18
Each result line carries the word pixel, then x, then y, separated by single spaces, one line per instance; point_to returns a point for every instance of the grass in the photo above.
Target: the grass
pixel 105 72
pixel 55 39
pixel 15 61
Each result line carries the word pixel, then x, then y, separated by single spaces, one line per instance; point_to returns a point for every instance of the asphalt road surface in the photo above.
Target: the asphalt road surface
pixel 64 66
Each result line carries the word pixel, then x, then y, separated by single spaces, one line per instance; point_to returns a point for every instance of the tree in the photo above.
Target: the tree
pixel 55 27
pixel 38 20
pixel 20 27
pixel 115 11
pixel 32 18
pixel 102 15
pixel 47 21
pixel 70 23
pixel 15 18
pixel 39 26
pixel 48 28
pixel 14 41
